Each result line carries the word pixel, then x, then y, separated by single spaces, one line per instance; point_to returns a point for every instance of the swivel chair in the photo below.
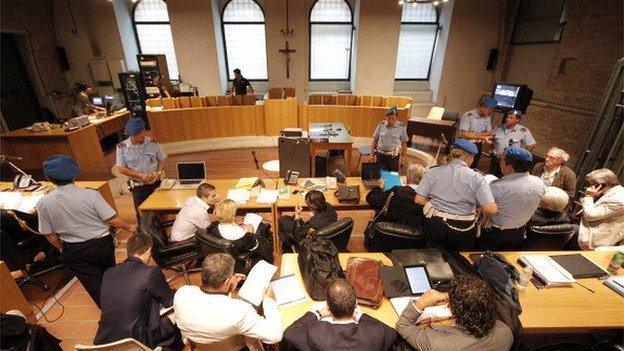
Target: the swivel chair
pixel 548 237
pixel 173 256
pixel 386 236
pixel 338 233
pixel 209 243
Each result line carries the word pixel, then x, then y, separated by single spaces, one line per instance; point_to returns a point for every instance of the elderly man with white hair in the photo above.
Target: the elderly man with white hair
pixel 551 208
pixel 554 172
pixel 602 221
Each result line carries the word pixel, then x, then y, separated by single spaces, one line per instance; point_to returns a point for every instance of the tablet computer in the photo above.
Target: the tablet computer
pixel 418 279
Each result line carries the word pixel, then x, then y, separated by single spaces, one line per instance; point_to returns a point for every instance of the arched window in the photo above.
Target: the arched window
pixel 419 30
pixel 244 39
pixel 153 32
pixel 331 34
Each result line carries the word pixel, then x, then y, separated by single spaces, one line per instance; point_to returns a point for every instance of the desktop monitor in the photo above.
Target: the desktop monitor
pixel 191 170
pixel 512 96
pixel 97 100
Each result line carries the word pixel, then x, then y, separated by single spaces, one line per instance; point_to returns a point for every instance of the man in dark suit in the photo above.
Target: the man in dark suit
pixel 132 296
pixel 339 326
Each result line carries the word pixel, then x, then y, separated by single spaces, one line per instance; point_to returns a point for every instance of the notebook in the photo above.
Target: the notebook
pixel 437 267
pixel 394 281
pixel 547 270
pixel 616 283
pixel 287 289
pixel 391 179
pixel 579 266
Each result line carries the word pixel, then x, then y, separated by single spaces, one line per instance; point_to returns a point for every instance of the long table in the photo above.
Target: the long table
pixel 82 144
pixel 566 309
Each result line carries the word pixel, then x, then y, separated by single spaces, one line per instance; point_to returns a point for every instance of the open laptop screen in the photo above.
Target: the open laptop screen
pixel 191 170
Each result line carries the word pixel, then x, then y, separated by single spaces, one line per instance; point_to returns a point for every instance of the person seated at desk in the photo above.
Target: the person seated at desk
pixel 292 230
pixel 517 196
pixel 339 326
pixel 551 208
pixel 553 171
pixel 449 195
pixel 402 209
pixel 82 104
pixel 197 213
pixel 602 220
pixel 474 325
pixel 244 237
pixel 390 142
pixel 476 125
pixel 132 295
pixel 207 314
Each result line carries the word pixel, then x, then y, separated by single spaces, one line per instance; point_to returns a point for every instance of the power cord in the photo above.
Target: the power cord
pixel 52 295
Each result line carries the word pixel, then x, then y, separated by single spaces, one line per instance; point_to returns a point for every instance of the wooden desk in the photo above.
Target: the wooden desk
pixel 101 186
pixel 298 199
pixel 431 128
pixel 290 313
pixel 341 141
pixel 568 309
pixel 11 297
pixel 82 144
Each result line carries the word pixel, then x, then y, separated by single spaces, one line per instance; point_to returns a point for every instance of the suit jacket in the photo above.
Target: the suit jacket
pixel 131 297
pixel 602 223
pixel 546 217
pixel 310 333
pixel 316 222
pixel 402 209
pixel 565 179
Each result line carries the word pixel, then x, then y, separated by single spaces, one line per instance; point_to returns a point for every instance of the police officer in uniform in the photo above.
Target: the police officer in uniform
pixel 141 159
pixel 517 195
pixel 449 195
pixel 510 133
pixel 390 141
pixel 476 125
pixel 77 222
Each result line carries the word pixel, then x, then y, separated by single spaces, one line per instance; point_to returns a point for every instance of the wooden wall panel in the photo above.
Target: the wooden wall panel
pixel 223 100
pixel 279 114
pixel 193 124
pixel 210 101
pixel 243 120
pixel 165 125
pixel 184 102
pixel 169 103
pixel 153 102
pixel 196 101
pixel 302 116
pixel 260 120
pixel 220 122
pixel 86 147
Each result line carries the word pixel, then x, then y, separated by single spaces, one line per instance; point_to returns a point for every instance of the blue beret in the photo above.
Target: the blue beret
pixel 518 153
pixel 135 126
pixel 60 167
pixel 515 112
pixel 391 111
pixel 489 102
pixel 466 145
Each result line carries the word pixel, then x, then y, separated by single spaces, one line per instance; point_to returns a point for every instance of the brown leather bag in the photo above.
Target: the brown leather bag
pixel 363 274
pixel 348 193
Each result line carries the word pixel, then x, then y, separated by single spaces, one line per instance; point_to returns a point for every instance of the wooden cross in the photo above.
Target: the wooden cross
pixel 286 53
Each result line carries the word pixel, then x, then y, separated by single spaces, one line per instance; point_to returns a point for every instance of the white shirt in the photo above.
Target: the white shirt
pixel 208 318
pixel 549 177
pixel 193 215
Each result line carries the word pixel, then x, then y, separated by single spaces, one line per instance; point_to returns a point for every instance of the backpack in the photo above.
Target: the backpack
pixel 495 270
pixel 319 265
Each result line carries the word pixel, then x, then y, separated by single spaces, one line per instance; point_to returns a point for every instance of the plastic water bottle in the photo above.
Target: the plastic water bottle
pixel 525 278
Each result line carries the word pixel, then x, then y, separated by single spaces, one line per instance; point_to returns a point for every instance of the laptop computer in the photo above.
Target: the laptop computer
pixel 190 174
pixel 371 173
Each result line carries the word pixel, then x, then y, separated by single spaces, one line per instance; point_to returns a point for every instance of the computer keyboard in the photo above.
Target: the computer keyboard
pixel 187 182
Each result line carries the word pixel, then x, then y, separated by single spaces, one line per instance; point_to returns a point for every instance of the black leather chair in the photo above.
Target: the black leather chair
pixel 174 256
pixel 209 243
pixel 386 236
pixel 338 233
pixel 548 237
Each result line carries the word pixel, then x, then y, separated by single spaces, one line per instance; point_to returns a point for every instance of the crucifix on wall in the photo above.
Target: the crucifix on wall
pixel 287 51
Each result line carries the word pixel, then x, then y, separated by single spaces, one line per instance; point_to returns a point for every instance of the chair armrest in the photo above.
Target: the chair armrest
pixel 398 230
pixel 553 228
pixel 178 248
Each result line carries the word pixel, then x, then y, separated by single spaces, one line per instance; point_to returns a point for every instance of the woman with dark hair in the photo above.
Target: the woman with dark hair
pixel 294 229
pixel 83 105
pixel 474 325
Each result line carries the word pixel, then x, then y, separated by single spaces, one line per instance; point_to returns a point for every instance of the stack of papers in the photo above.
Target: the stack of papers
pixel 430 313
pixel 616 283
pixel 246 183
pixel 257 282
pixel 267 196
pixel 547 270
pixel 254 219
pixel 240 196
pixel 288 289
pixel 13 200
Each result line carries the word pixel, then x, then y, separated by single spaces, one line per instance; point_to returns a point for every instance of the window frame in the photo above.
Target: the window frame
pixel 225 54
pixel 435 41
pixel 136 33
pixel 310 23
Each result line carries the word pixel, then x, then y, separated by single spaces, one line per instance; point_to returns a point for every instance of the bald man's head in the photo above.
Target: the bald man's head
pixel 341 299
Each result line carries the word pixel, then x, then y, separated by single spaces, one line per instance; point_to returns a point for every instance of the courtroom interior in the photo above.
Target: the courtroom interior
pixel 312 175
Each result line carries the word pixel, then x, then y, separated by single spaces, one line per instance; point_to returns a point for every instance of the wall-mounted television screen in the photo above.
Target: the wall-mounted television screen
pixel 512 96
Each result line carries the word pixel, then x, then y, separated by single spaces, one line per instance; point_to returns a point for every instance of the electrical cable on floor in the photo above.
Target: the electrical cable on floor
pixel 53 295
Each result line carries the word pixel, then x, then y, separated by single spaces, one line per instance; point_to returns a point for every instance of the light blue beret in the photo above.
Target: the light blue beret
pixel 135 126
pixel 391 111
pixel 60 167
pixel 466 145
pixel 518 153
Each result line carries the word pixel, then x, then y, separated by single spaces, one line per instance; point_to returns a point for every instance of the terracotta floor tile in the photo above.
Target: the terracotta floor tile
pixel 81 313
pixel 62 329
pixel 79 299
pixel 86 330
pixel 70 343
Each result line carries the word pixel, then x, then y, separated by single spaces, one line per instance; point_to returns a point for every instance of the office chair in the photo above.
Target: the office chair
pixel 338 233
pixel 209 243
pixel 127 344
pixel 364 151
pixel 173 256
pixel 548 237
pixel 386 236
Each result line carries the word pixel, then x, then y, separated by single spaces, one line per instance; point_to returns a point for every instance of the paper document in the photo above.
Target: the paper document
pixel 549 271
pixel 433 312
pixel 240 196
pixel 267 196
pixel 254 219
pixel 257 282
pixel 246 183
pixel 288 289
pixel 12 200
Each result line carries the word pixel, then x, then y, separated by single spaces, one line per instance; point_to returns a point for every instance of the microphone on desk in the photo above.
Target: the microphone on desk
pixel 5 157
pixel 444 140
pixel 255 159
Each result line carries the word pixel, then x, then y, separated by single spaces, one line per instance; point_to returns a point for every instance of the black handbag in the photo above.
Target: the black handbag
pixel 348 193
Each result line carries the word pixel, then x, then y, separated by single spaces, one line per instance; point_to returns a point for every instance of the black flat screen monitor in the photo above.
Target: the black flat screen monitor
pixel 512 96
pixel 97 100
